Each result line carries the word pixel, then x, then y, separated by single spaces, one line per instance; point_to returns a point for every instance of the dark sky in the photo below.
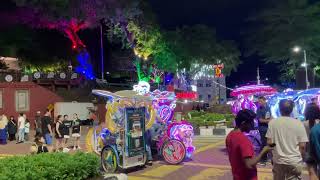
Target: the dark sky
pixel 228 17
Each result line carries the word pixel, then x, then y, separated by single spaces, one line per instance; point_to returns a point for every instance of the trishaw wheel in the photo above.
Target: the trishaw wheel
pixel 109 160
pixel 173 151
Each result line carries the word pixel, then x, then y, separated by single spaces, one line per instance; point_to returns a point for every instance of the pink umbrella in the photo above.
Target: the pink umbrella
pixel 253 90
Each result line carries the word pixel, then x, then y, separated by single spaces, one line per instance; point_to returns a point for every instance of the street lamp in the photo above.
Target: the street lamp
pixel 297 49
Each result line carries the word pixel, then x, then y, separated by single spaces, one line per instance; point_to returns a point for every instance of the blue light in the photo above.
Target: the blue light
pixel 300 98
pixel 85 67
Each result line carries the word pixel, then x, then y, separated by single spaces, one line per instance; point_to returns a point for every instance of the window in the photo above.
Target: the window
pixel 1 105
pixel 22 100
pixel 209 96
pixel 200 97
pixel 208 85
pixel 199 85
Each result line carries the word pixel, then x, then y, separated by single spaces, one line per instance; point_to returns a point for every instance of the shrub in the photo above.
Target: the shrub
pixel 50 166
pixel 196 113
pixel 214 117
pixel 209 119
pixel 229 117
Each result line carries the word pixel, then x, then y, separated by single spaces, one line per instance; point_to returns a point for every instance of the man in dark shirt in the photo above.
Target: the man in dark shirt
pixel 263 116
pixel 46 122
pixel 37 122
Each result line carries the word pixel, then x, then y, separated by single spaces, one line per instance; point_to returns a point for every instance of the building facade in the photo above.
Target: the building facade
pixel 210 90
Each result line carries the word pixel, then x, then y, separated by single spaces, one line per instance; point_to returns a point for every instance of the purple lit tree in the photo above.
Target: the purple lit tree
pixel 70 17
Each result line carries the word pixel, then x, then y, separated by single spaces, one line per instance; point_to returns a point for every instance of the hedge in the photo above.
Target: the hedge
pixel 208 119
pixel 50 166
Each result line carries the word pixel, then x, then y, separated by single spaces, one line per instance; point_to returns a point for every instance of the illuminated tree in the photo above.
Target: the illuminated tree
pixel 70 17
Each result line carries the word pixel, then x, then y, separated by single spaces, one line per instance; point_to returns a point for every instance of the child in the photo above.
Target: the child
pixel 76 131
pixel 26 130
pixel 39 146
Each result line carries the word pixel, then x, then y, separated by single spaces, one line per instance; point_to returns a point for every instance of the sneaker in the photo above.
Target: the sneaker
pixel 65 150
pixel 262 163
pixel 149 163
pixel 78 147
pixel 74 148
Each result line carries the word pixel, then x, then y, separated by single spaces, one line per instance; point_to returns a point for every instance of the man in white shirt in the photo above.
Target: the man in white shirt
pixel 289 136
pixel 21 125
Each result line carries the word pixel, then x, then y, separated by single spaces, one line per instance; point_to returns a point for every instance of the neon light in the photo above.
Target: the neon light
pixel 218 70
pixel 183 131
pixel 142 88
pixel 85 67
pixel 187 95
pixel 253 89
pixel 300 99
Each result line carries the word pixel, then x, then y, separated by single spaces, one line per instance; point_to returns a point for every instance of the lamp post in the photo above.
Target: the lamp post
pixel 297 49
pixel 101 52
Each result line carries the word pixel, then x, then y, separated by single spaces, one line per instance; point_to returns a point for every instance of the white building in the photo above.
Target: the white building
pixel 202 79
pixel 209 91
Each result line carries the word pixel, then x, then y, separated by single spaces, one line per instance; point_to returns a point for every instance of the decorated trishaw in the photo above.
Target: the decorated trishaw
pixel 121 140
pixel 300 98
pixel 245 99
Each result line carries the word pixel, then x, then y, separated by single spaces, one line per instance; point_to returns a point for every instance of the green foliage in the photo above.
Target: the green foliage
pixel 199 45
pixel 50 166
pixel 280 27
pixel 172 50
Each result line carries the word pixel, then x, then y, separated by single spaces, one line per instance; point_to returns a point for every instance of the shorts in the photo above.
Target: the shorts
pixel 75 135
pixel 48 139
pixel 66 136
pixel 282 171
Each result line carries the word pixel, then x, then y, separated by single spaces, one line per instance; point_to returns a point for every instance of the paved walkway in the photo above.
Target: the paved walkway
pixel 210 162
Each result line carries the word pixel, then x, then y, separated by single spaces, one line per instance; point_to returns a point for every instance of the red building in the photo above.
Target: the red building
pixel 25 97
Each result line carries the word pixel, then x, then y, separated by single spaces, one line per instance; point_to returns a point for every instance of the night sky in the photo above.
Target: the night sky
pixel 228 17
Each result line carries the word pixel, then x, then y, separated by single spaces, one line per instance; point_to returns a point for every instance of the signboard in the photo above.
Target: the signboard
pixel 187 95
pixel 218 70
pixel 135 128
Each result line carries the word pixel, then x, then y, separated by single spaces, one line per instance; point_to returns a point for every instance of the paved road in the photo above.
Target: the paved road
pixel 210 162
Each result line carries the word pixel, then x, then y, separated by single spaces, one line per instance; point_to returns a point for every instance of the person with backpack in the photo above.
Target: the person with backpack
pixel 240 149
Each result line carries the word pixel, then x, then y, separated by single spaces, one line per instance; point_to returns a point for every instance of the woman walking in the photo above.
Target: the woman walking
pixel 59 133
pixel 12 129
pixel 76 131
pixel 3 130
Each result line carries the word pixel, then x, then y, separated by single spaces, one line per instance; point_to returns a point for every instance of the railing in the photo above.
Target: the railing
pixel 51 79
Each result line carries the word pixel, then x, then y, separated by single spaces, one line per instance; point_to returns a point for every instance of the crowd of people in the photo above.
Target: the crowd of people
pixel 14 130
pixel 287 143
pixel 45 130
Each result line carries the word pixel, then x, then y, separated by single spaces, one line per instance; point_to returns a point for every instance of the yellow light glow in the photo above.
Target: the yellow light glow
pixel 135 52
